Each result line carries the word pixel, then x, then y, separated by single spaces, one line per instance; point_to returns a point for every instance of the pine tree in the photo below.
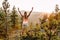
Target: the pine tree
pixel 14 18
pixel 56 8
pixel 2 28
pixel 5 7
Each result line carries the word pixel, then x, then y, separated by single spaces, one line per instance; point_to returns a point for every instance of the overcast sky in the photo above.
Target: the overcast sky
pixel 39 5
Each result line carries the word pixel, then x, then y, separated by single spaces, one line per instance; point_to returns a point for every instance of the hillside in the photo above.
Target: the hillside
pixel 34 17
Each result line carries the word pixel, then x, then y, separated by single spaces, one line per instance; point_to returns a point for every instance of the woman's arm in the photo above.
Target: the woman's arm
pixel 30 12
pixel 19 12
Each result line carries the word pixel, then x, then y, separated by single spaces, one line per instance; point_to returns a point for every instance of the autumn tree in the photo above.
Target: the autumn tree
pixel 49 26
